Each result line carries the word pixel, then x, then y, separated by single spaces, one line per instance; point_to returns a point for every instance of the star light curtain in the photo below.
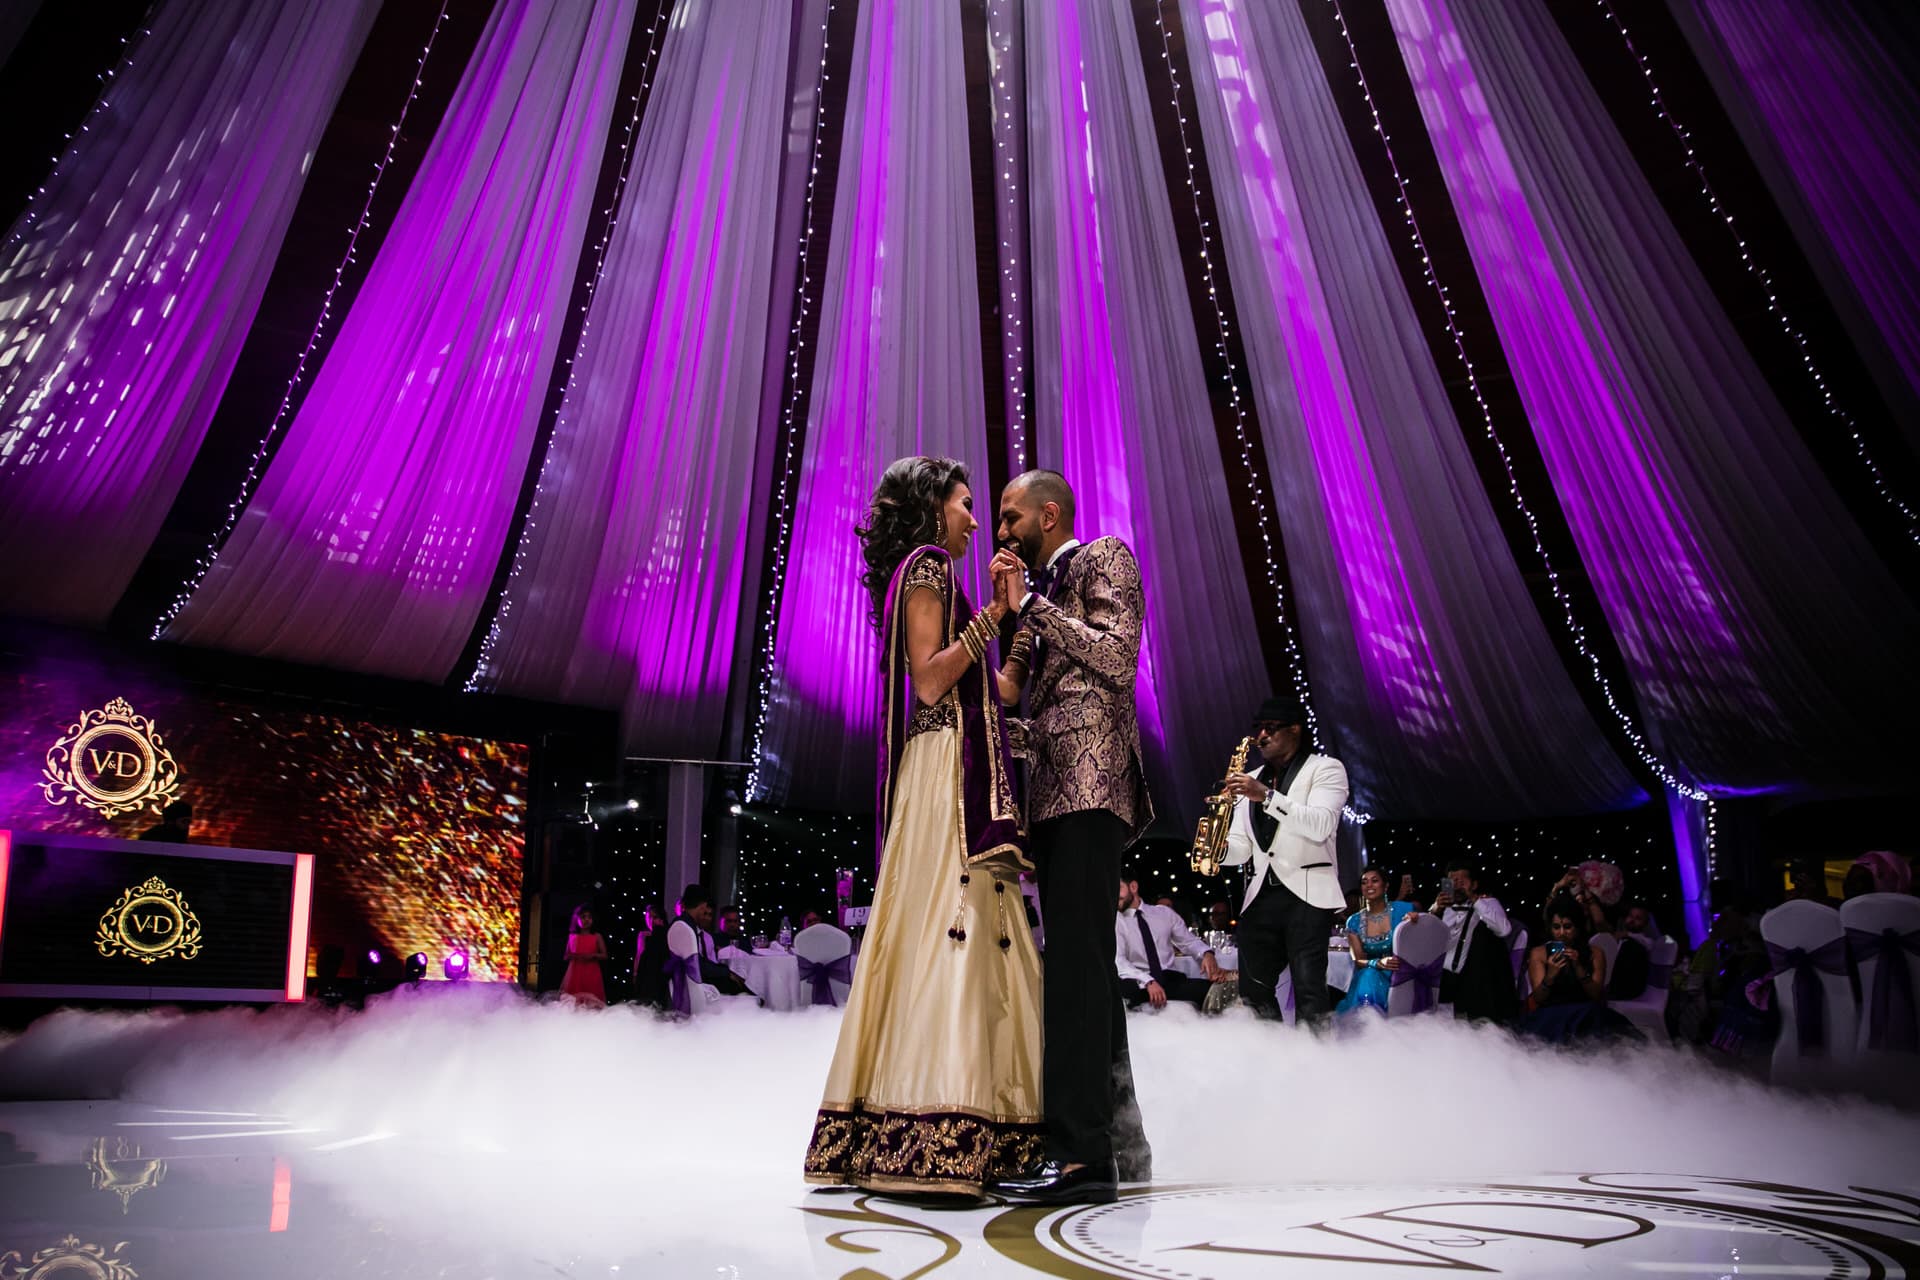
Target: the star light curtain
pixel 372 541
pixel 1763 635
pixel 1409 600
pixel 1120 402
pixel 128 285
pixel 627 592
pixel 897 373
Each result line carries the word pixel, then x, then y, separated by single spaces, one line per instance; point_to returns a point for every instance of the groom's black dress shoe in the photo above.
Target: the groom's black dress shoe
pixel 1049 1182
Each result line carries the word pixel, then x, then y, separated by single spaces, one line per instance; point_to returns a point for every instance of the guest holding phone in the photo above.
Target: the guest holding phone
pixel 1569 977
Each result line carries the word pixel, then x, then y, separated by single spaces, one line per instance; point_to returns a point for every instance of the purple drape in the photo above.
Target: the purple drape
pixel 1121 404
pixel 1823 96
pixel 127 287
pixel 1440 679
pixel 897 373
pixel 628 587
pixel 1765 639
pixel 374 535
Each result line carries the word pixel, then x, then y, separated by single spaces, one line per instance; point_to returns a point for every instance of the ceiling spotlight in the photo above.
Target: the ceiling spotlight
pixel 633 804
pixel 735 810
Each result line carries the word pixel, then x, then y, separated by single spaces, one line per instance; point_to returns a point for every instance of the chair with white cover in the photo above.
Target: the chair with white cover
pixel 1883 935
pixel 1420 942
pixel 685 992
pixel 1609 948
pixel 826 963
pixel 1648 1010
pixel 1807 948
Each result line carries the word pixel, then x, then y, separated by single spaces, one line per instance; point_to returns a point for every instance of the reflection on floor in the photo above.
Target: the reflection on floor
pixel 119 1191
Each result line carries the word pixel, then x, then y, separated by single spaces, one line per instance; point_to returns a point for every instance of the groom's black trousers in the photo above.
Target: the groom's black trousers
pixel 1087 1077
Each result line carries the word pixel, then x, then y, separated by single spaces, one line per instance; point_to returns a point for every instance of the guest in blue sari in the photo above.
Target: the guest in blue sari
pixel 1370 935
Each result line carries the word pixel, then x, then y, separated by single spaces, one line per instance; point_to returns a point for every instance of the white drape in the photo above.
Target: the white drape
pixel 373 538
pixel 127 288
pixel 897 373
pixel 1440 681
pixel 628 590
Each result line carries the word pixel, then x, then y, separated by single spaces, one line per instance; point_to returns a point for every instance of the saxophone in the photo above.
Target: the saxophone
pixel 1210 838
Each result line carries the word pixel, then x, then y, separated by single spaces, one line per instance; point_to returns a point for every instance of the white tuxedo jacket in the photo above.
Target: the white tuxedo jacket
pixel 1302 854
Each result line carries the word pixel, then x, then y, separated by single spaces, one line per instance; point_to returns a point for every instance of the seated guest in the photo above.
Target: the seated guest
pixel 810 918
pixel 1145 938
pixel 696 908
pixel 1406 892
pixel 1370 936
pixel 729 934
pixel 1220 916
pixel 1634 960
pixel 1569 975
pixel 1572 887
pixel 1478 978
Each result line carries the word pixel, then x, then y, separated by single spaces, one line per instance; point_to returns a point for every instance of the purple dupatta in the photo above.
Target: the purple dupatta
pixel 991 825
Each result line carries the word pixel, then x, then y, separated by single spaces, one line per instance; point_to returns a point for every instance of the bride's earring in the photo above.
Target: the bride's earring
pixel 939 530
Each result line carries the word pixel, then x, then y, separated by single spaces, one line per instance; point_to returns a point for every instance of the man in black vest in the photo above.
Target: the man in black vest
pixel 1478 979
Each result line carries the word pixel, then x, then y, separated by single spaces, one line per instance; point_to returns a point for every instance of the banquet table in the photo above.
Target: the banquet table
pixel 773 975
pixel 1339 964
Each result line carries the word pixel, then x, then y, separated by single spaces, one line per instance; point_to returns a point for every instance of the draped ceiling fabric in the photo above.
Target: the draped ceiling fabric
pixel 1120 403
pixel 1823 95
pixel 372 541
pixel 1415 621
pixel 127 287
pixel 629 589
pixel 1768 645
pixel 897 373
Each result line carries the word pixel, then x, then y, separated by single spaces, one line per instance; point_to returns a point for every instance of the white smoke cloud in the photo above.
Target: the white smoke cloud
pixel 522 1120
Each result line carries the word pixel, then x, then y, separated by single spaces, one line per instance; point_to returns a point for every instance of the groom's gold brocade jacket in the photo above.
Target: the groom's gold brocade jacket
pixel 1082 734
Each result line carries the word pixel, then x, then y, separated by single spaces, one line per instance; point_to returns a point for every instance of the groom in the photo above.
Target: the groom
pixel 1076 655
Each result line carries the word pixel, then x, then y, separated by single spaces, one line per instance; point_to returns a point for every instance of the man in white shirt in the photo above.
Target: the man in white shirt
pixel 1284 826
pixel 1478 979
pixel 1146 937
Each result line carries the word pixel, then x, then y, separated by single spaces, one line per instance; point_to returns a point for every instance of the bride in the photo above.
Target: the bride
pixel 935 1084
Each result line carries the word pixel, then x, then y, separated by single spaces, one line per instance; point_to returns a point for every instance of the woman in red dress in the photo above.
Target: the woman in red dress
pixel 586 952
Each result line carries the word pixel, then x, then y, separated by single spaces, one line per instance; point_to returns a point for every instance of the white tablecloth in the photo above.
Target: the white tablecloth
pixel 1339 965
pixel 772 975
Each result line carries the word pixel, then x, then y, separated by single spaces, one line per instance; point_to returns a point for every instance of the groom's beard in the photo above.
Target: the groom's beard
pixel 1028 550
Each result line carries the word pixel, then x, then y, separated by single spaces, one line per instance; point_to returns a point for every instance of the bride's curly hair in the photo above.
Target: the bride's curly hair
pixel 904 513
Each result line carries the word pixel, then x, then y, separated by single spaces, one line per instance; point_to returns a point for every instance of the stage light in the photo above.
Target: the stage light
pixel 455 965
pixel 416 966
pixel 633 804
pixel 735 810
pixel 374 957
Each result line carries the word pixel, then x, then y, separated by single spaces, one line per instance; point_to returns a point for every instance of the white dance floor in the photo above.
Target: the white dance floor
pixel 490 1137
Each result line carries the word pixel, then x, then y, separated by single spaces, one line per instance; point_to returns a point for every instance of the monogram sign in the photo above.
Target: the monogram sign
pixel 112 761
pixel 149 923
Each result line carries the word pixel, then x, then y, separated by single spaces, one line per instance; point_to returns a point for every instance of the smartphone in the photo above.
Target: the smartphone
pixel 1555 948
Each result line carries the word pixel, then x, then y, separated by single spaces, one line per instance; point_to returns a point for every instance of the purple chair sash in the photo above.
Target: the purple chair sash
pixel 682 973
pixel 824 975
pixel 1425 980
pixel 1809 997
pixel 1890 1009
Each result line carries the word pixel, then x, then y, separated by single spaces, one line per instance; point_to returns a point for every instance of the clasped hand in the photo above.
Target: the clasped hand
pixel 1009 579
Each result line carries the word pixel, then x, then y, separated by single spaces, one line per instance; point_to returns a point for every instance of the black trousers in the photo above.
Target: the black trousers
pixel 1087 1077
pixel 1178 986
pixel 1281 932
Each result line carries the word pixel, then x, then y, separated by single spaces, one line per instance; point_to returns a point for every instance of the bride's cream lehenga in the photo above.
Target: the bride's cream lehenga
pixel 935 1083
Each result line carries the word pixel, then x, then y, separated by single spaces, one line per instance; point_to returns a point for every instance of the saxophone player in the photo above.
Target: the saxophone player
pixel 1284 824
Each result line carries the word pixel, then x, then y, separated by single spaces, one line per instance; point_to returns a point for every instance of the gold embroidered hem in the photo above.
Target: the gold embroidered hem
pixel 946 1151
pixel 936 1076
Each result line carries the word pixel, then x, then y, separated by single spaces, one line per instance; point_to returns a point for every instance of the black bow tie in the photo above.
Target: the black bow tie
pixel 1044 579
